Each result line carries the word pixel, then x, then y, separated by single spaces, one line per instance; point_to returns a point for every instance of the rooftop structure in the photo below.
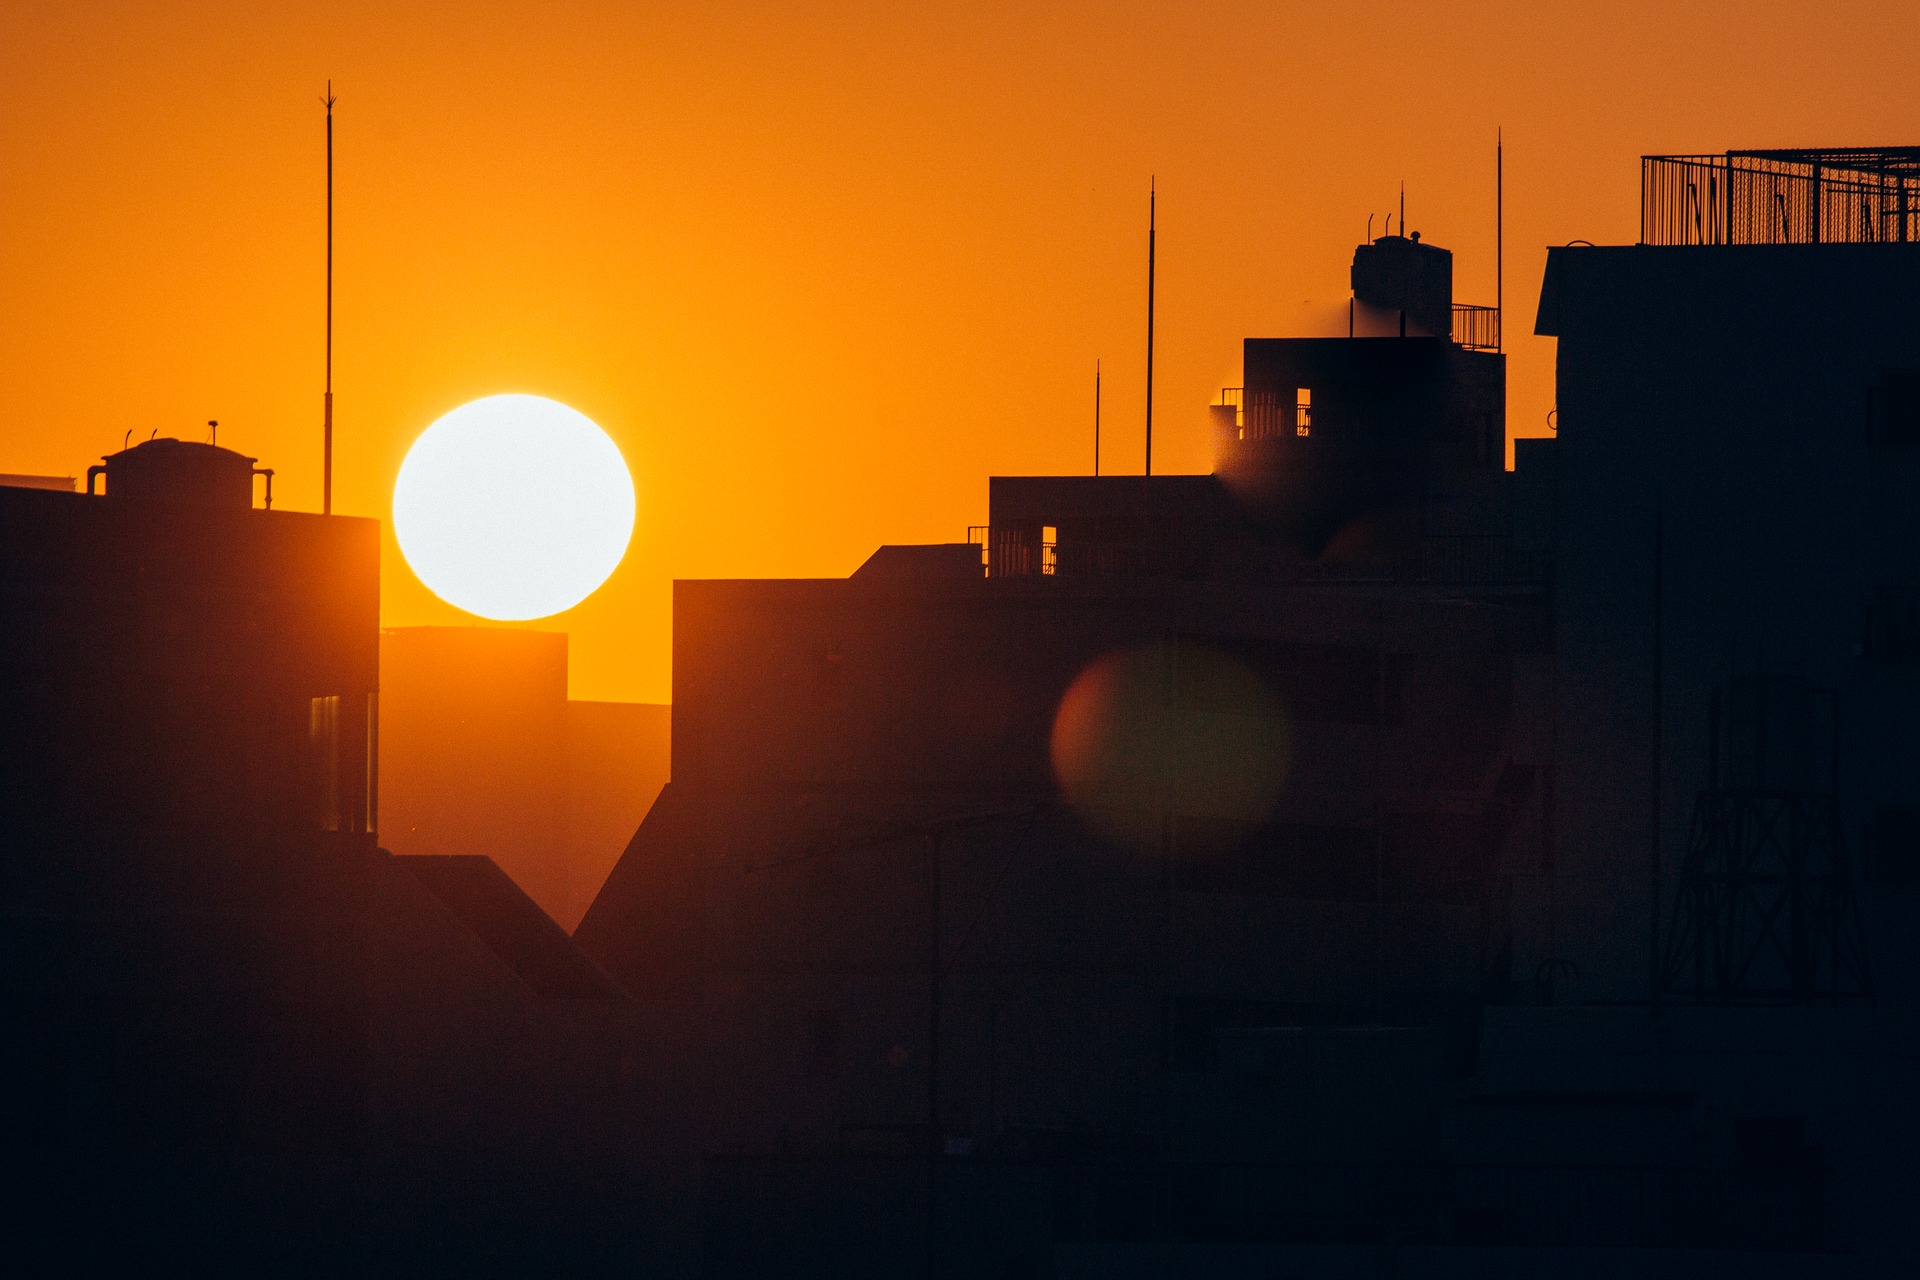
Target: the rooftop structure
pixel 1852 195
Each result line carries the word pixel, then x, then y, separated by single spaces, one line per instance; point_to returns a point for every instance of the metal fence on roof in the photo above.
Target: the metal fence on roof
pixel 1855 196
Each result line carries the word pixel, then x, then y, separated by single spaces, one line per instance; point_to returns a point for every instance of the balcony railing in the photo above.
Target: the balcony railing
pixel 1277 413
pixel 1476 328
pixel 1233 398
pixel 1781 197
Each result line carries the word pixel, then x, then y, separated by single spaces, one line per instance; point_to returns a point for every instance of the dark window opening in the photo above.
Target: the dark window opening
pixel 1194 1020
pixel 1325 683
pixel 1893 626
pixel 1278 860
pixel 341 784
pixel 1896 407
pixel 1893 846
pixel 323 754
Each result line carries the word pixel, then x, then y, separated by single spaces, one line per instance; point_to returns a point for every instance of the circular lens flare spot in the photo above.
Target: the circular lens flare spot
pixel 1169 727
pixel 513 507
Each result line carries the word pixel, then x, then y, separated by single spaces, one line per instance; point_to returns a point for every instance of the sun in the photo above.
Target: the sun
pixel 513 507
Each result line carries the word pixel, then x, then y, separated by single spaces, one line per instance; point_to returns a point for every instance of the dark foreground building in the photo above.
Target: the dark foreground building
pixel 1022 869
pixel 234 1033
pixel 1363 860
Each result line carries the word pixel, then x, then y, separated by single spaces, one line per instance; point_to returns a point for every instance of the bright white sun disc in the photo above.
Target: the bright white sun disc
pixel 513 507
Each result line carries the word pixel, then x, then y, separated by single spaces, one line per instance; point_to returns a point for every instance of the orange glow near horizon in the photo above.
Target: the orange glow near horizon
pixel 818 270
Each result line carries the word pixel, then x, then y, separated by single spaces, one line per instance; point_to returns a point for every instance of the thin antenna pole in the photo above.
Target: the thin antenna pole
pixel 326 429
pixel 1403 206
pixel 1096 417
pixel 1152 200
pixel 1499 242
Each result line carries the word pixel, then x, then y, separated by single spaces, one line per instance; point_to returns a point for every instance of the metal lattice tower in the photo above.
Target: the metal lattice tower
pixel 1765 911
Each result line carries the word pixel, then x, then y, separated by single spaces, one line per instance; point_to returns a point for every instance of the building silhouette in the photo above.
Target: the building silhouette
pixel 943 1009
pixel 237 1034
pixel 1362 859
pixel 863 864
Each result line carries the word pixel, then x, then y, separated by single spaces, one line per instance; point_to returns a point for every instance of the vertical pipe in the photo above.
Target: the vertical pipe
pixel 1729 186
pixel 1696 903
pixel 1152 200
pixel 935 1147
pixel 1166 685
pixel 1164 1108
pixel 1499 241
pixel 1813 236
pixel 373 756
pixel 1096 417
pixel 326 430
pixel 1659 679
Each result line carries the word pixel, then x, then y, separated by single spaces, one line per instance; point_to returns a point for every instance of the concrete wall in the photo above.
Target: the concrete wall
pixel 1730 389
pixel 775 912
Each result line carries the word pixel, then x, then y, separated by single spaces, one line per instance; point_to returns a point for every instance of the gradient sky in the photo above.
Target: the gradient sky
pixel 819 269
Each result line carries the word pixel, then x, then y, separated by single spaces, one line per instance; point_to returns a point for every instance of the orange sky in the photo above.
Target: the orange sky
pixel 819 269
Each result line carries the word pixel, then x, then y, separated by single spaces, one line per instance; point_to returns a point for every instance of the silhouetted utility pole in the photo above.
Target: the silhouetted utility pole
pixel 1151 201
pixel 1499 243
pixel 326 427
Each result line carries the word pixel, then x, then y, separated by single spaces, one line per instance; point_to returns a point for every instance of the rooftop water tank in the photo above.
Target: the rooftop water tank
pixel 180 471
pixel 1398 273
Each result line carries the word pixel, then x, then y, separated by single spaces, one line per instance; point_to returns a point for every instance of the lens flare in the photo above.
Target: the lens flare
pixel 1172 727
pixel 513 507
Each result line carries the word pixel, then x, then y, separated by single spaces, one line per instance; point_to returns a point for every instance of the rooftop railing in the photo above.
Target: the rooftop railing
pixel 1277 413
pixel 1858 196
pixel 1234 398
pixel 1476 328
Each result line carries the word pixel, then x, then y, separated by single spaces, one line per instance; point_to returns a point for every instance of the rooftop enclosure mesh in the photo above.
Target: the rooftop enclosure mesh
pixel 1857 196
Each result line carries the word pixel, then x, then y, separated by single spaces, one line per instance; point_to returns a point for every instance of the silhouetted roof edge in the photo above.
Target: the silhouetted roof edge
pixel 497 911
pixel 939 560
pixel 645 952
pixel 1546 321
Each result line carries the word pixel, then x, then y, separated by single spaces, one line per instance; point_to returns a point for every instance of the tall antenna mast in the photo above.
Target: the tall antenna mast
pixel 326 429
pixel 1499 242
pixel 1152 199
pixel 1096 417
